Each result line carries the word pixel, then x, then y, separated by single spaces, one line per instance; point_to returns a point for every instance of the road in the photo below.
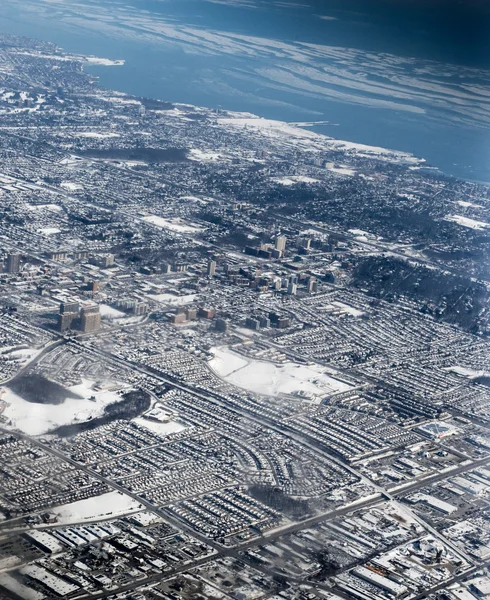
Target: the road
pixel 214 399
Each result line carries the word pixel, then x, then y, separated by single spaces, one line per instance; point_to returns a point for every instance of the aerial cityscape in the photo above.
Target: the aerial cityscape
pixel 239 359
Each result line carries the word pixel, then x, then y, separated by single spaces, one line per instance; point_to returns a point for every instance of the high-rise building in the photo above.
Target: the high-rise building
pixel 66 320
pixel 206 313
pixel 211 268
pixel 90 318
pixel 221 325
pixel 69 306
pixel 178 318
pixel 303 242
pixel 13 263
pixel 292 288
pixel 191 314
pixel 252 323
pixel 312 285
pixel 281 243
pixel 264 321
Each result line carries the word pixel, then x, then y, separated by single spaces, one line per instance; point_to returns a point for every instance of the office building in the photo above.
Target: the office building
pixel 221 325
pixel 66 320
pixel 211 268
pixel 292 288
pixel 206 313
pixel 69 306
pixel 90 318
pixel 281 243
pixel 191 314
pixel 264 321
pixel 13 263
pixel 312 285
pixel 178 318
pixel 251 323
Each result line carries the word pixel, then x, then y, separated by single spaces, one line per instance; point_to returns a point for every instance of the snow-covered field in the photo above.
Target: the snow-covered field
pixel 43 207
pixel 97 134
pixel 105 506
pixel 173 224
pixel 70 186
pixel 467 222
pixel 273 380
pixel 38 419
pixel 111 313
pixel 341 170
pixel 160 427
pixel 199 155
pixel 49 230
pixel 465 372
pixel 346 308
pixel 294 179
pixel 172 300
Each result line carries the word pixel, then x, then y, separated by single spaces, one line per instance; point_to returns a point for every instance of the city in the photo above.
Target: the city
pixel 239 359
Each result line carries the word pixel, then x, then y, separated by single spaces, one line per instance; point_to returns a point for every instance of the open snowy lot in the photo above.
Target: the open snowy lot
pixel 273 380
pixel 38 419
pixel 177 224
pixel 105 506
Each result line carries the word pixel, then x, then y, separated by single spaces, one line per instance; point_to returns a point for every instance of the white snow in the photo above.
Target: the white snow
pixel 49 230
pixel 465 372
pixel 295 179
pixel 103 62
pixel 105 506
pixel 346 308
pixel 160 427
pixel 468 204
pixel 172 300
pixel 97 134
pixel 72 187
pixel 22 591
pixel 38 419
pixel 112 313
pixel 273 380
pixel 200 155
pixel 54 207
pixel 173 224
pixel 340 170
pixel 467 222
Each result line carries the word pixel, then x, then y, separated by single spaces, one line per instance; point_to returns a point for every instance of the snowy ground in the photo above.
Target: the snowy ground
pixel 111 313
pixel 43 207
pixel 70 186
pixel 49 230
pixel 22 591
pixel 172 300
pixel 97 134
pixel 105 506
pixel 294 179
pixel 38 419
pixel 465 372
pixel 173 224
pixel 199 155
pixel 341 170
pixel 160 427
pixel 273 380
pixel 467 222
pixel 346 308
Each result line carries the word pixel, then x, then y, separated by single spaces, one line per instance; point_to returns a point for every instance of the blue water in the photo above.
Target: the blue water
pixel 366 90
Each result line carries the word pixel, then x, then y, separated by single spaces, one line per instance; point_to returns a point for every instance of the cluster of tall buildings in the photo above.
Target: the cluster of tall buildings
pixel 12 263
pixel 85 318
